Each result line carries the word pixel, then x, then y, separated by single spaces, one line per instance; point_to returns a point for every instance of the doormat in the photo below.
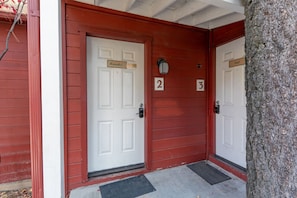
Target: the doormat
pixel 128 188
pixel 208 173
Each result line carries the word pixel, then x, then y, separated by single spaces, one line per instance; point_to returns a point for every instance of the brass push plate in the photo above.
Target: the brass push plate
pixel 121 64
pixel 117 64
pixel 236 62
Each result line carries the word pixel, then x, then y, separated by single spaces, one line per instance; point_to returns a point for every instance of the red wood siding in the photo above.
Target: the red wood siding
pixel 177 116
pixel 14 107
pixel 227 33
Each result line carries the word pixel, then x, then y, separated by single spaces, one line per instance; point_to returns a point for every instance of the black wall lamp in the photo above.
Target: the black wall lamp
pixel 163 66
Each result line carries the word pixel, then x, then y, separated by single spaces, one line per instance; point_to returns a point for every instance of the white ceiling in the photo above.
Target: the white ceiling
pixel 206 14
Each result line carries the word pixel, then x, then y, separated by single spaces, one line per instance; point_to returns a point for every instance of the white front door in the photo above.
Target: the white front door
pixel 115 130
pixel 230 94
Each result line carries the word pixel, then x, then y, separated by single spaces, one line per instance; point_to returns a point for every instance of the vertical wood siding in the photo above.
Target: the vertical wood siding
pixel 14 107
pixel 179 113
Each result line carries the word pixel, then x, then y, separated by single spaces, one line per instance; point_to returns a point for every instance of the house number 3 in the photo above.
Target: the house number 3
pixel 200 85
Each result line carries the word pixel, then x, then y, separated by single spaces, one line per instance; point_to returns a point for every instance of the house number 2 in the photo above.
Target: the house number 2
pixel 159 84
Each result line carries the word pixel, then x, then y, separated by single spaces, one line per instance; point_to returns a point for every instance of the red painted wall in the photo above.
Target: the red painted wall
pixel 14 107
pixel 178 115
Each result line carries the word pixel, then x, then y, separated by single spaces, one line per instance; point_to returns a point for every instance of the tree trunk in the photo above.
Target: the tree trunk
pixel 271 86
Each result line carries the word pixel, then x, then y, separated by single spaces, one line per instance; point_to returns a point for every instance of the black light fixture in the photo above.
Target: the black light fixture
pixel 163 66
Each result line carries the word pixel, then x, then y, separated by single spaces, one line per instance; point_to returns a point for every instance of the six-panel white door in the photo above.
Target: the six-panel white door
pixel 230 93
pixel 115 131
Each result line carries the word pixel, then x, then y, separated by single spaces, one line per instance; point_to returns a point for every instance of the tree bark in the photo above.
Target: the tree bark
pixel 271 87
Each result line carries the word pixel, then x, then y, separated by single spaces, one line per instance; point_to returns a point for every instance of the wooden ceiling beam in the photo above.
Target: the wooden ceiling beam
pixel 189 9
pixel 232 5
pixel 128 4
pixel 209 14
pixel 159 6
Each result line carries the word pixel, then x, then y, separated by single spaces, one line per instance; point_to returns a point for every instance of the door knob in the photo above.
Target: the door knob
pixel 217 107
pixel 140 111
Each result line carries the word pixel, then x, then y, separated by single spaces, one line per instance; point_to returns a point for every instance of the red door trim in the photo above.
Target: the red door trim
pixel 84 119
pixel 34 79
pixel 65 101
pixel 211 97
pixel 111 34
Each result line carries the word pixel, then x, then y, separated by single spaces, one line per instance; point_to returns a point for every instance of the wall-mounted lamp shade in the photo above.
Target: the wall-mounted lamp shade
pixel 163 66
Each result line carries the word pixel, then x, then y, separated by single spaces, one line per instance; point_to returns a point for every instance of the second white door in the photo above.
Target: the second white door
pixel 115 129
pixel 230 94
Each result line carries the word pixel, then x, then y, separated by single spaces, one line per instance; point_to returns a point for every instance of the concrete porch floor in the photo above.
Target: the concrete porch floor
pixel 179 182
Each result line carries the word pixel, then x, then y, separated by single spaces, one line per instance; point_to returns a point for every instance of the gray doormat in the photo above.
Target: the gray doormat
pixel 208 173
pixel 128 188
